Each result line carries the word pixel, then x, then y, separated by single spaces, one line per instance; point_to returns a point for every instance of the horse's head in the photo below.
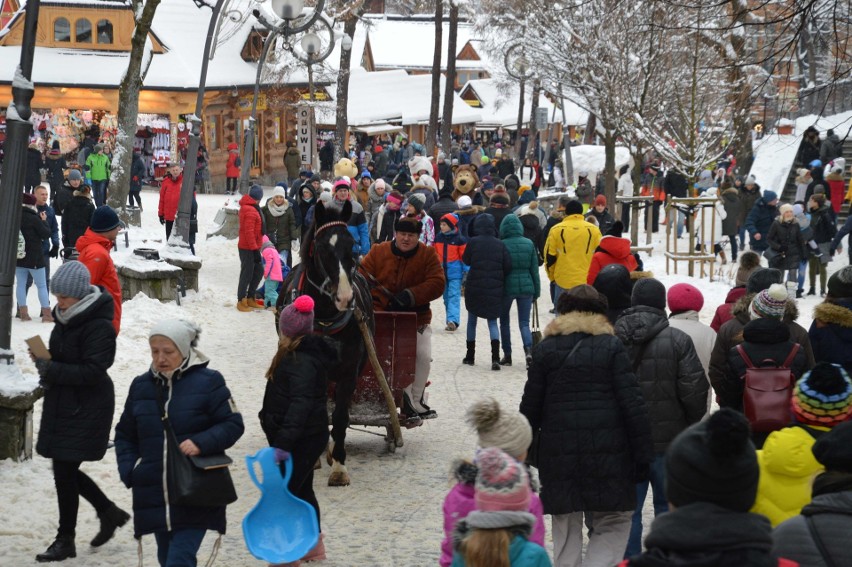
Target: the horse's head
pixel 331 254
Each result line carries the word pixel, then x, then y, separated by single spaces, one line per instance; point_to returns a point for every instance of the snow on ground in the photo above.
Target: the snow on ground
pixel 389 516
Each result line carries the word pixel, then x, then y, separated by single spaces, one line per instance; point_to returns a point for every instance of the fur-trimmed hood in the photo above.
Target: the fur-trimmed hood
pixel 834 314
pixel 470 211
pixel 637 275
pixel 740 309
pixel 579 322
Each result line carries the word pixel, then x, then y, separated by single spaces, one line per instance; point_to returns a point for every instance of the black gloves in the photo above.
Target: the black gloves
pixel 54 251
pixel 783 250
pixel 162 220
pixel 42 364
pixel 402 300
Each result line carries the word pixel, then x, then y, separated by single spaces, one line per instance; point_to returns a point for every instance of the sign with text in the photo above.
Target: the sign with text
pixel 305 134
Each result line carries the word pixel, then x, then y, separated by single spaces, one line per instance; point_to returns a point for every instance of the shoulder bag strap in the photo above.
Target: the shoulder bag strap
pixel 826 556
pixel 535 323
pixel 742 352
pixel 573 350
pixel 164 417
pixel 790 357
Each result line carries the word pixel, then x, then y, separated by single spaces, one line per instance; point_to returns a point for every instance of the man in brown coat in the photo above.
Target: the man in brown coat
pixel 406 275
pixel 731 333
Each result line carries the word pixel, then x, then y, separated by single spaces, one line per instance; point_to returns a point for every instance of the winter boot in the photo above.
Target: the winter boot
pixel 495 355
pixel 471 351
pixel 60 550
pixel 506 360
pixel 46 317
pixel 243 305
pixel 25 313
pixel 811 291
pixel 799 293
pixel 111 519
pixel 317 553
pixel 528 356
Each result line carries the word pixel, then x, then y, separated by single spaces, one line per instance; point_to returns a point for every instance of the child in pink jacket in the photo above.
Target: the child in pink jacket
pixel 496 427
pixel 271 271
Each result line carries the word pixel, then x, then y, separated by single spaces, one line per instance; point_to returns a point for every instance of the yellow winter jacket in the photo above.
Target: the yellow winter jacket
pixel 569 250
pixel 787 471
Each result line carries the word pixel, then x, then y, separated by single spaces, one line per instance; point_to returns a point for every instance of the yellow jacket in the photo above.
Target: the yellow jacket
pixel 848 196
pixel 787 471
pixel 569 250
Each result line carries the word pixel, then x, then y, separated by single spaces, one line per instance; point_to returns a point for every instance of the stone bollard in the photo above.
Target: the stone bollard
pixel 131 216
pixel 190 265
pixel 18 395
pixel 227 223
pixel 156 279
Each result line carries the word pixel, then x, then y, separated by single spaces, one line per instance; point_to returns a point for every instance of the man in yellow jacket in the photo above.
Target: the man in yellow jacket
pixel 569 249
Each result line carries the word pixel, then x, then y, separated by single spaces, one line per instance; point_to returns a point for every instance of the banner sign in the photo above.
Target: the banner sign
pixel 305 134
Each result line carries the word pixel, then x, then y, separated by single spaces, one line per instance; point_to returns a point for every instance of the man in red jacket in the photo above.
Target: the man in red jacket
pixel 249 243
pixel 170 197
pixel 94 247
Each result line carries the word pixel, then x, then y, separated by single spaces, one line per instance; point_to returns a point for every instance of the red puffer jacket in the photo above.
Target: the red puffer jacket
pixel 723 312
pixel 251 225
pixel 231 168
pixel 169 197
pixel 611 250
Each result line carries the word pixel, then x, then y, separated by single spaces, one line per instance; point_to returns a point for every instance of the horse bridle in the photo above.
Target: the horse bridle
pixel 325 287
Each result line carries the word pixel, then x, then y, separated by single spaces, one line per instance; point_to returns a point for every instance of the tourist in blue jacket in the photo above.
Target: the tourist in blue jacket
pixel 450 244
pixel 760 219
pixel 205 421
pixel 357 223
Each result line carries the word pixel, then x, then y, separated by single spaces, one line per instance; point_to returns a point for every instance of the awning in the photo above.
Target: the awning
pixel 376 129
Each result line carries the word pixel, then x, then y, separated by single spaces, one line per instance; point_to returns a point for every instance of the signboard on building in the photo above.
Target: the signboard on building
pixel 541 118
pixel 305 134
pixel 244 102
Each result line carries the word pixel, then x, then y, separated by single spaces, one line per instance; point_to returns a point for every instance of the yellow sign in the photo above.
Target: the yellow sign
pixel 244 102
pixel 318 95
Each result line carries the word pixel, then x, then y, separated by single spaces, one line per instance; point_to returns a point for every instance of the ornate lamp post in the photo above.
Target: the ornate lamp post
pixel 15 412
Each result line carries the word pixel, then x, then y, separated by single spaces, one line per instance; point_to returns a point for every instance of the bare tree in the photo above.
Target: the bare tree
pixel 449 86
pixel 128 102
pixel 348 14
pixel 432 128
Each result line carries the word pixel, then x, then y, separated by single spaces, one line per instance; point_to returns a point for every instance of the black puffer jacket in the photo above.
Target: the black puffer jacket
pixel 614 282
pixel 76 218
pixel 79 398
pixel 823 225
pixel 731 334
pixel 733 207
pixel 785 238
pixel 673 382
pixel 35 231
pixel 763 339
pixel 589 409
pixel 489 263
pixel 705 535
pixel 831 514
pixel 443 205
pixel 294 405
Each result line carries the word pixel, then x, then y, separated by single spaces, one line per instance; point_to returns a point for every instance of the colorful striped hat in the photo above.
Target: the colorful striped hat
pixel 502 482
pixel 823 396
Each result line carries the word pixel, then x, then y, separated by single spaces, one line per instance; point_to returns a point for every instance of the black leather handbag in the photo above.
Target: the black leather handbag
pixel 200 481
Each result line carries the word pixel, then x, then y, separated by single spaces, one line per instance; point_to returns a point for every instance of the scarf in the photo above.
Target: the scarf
pixel 64 316
pixel 277 210
pixel 832 481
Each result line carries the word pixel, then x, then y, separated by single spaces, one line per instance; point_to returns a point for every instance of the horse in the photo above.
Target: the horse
pixel 328 274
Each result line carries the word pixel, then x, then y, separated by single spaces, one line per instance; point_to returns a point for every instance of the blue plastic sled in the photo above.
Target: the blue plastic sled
pixel 280 528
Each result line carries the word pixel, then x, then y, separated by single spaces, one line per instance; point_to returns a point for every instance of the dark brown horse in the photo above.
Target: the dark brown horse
pixel 328 273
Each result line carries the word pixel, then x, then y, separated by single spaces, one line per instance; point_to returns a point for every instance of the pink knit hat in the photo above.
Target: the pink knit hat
pixel 297 319
pixel 685 297
pixel 502 482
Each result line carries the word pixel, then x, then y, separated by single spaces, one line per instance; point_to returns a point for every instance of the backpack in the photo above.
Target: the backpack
pixel 22 246
pixel 238 162
pixel 767 390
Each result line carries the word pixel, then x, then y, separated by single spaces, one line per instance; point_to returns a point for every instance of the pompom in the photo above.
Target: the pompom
pixel 483 415
pixel 749 260
pixel 304 304
pixel 778 292
pixel 533 204
pixel 728 433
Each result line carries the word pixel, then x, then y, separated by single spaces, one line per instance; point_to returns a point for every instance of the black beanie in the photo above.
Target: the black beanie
pixel 714 461
pixel 408 224
pixel 650 293
pixel 617 229
pixel 762 278
pixel 840 283
pixel 574 207
pixel 834 448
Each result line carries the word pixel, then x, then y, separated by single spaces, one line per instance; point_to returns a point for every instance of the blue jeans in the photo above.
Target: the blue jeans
pixel 658 484
pixel 524 308
pixel 742 233
pixel 38 275
pixel 803 266
pixel 452 300
pixel 493 331
pixel 99 191
pixel 179 548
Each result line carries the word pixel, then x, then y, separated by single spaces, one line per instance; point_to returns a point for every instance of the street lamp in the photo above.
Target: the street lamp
pixel 289 11
pixel 518 67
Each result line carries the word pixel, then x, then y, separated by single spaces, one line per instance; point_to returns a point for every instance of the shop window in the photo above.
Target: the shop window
pixel 83 31
pixel 62 30
pixel 104 31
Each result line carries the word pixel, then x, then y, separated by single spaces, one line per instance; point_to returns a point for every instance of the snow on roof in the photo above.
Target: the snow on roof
pixel 407 44
pixel 396 96
pixel 181 26
pixel 500 104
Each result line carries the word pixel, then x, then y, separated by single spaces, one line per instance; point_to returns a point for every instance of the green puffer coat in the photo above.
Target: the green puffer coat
pixel 522 280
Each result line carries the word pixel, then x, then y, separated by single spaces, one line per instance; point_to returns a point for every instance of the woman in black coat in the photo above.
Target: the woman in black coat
pixel 785 239
pixel 594 437
pixel 79 401
pixel 35 229
pixel 294 415
pixel 489 263
pixel 77 216
pixel 35 163
pixel 205 421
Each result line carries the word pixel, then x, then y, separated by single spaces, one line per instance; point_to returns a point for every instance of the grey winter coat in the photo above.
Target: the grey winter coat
pixel 831 515
pixel 670 374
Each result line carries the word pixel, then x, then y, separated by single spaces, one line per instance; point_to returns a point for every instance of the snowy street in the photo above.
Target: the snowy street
pixel 389 516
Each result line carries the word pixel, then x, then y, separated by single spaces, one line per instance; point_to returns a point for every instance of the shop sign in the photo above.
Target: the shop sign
pixel 244 102
pixel 318 95
pixel 305 134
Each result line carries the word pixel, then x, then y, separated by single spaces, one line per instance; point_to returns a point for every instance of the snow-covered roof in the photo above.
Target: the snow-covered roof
pixel 499 104
pixel 182 28
pixel 395 96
